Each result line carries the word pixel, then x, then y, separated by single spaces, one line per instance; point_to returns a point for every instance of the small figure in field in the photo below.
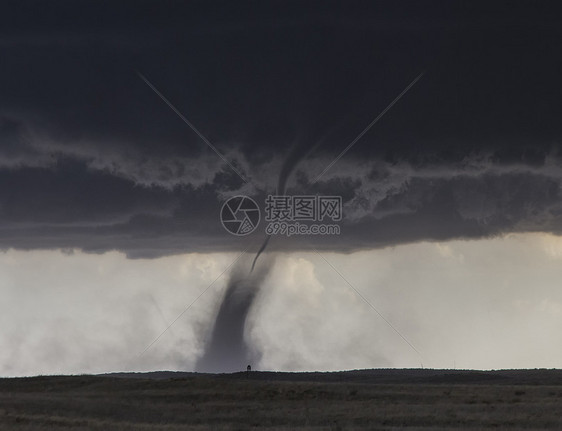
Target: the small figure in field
pixel 249 368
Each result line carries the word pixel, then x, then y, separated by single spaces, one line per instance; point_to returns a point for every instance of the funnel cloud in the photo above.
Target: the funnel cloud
pixel 227 349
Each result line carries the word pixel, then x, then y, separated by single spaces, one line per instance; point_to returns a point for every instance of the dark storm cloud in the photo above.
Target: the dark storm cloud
pixel 91 158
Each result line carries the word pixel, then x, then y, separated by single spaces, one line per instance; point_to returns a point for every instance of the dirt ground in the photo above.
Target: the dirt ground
pixel 357 400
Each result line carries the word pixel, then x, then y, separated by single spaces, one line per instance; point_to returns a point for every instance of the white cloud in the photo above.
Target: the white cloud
pixel 491 303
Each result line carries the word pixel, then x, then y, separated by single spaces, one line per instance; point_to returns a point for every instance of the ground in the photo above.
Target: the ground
pixel 356 400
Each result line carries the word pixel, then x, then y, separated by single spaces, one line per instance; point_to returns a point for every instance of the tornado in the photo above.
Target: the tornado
pixel 227 349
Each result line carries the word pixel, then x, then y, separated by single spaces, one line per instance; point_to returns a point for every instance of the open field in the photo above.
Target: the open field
pixel 356 400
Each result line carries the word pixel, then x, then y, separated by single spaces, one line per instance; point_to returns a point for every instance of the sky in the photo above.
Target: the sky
pixel 125 127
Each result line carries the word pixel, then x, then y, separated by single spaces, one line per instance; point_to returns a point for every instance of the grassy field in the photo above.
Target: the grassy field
pixel 359 400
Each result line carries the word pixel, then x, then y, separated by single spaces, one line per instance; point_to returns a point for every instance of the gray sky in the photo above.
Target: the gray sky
pixel 110 203
pixel 491 303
